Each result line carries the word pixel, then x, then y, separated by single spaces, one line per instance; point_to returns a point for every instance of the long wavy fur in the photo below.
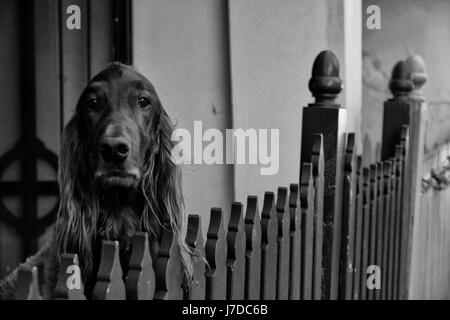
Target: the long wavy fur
pixel 160 187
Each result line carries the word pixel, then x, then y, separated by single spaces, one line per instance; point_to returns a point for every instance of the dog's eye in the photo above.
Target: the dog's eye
pixel 144 103
pixel 92 103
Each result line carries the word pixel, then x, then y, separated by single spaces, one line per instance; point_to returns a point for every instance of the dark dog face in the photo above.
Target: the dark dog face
pixel 116 175
pixel 117 108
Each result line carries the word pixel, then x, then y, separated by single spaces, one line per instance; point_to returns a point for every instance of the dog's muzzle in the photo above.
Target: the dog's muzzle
pixel 115 167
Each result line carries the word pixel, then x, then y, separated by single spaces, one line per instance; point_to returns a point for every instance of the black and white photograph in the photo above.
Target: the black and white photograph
pixel 241 151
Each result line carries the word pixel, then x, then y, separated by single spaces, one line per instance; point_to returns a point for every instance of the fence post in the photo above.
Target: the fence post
pixel 283 219
pixel 307 227
pixel 140 280
pixel 417 129
pixel 252 250
pixel 396 110
pixel 194 239
pixel 397 233
pixel 268 248
pixel 365 234
pixel 348 220
pixel 69 272
pixel 236 253
pixel 380 216
pixel 317 161
pixel 295 242
pixel 109 284
pixel 407 107
pixel 359 225
pixel 168 267
pixel 373 222
pixel 386 218
pixel 216 256
pixel 27 283
pixel 391 230
pixel 327 117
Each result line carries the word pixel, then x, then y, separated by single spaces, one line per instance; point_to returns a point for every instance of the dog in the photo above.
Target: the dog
pixel 116 177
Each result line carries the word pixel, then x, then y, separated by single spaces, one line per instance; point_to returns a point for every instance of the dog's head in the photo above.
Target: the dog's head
pixel 116 174
pixel 120 112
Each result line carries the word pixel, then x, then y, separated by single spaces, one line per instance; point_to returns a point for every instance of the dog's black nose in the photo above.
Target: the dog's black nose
pixel 114 150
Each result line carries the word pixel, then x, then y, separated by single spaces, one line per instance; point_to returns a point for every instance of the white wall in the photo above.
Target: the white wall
pixel 182 47
pixel 353 67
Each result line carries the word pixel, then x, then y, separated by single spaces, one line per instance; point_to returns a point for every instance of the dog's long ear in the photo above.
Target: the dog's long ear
pixel 162 187
pixel 78 212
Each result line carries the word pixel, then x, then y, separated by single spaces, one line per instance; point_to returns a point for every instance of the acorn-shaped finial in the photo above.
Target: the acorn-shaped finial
pixel 419 75
pixel 401 80
pixel 325 83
